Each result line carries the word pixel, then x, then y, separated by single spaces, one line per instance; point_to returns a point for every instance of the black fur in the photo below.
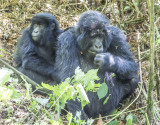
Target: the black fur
pixel 36 59
pixel 115 58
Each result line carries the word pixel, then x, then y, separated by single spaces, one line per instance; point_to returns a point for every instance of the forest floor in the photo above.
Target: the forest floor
pixel 15 16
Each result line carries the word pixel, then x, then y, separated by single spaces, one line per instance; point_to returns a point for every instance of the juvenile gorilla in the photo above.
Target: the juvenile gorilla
pixel 36 49
pixel 92 44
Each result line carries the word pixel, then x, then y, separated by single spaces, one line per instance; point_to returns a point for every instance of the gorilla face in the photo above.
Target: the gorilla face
pixel 96 40
pixel 92 41
pixel 38 31
pixel 42 31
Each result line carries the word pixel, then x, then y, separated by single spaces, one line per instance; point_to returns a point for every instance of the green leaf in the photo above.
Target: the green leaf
pixel 82 92
pixel 82 95
pixel 79 75
pixel 134 119
pixel 113 122
pixel 113 74
pixel 105 101
pixel 126 8
pixel 5 75
pixel 5 93
pixel 142 111
pixel 129 122
pixel 129 119
pixel 2 50
pixel 102 91
pixel 47 86
pixel 115 111
pixel 42 101
pixel 1 55
pixel 64 92
pixel 53 122
pixel 69 117
pixel 157 41
pixel 135 3
pixel 28 87
pixel 116 11
pixel 34 107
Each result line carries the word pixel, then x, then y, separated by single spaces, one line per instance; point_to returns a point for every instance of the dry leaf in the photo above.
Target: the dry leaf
pixel 98 121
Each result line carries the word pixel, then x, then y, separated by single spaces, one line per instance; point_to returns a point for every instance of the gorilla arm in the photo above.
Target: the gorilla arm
pixel 31 60
pixel 118 59
pixel 67 58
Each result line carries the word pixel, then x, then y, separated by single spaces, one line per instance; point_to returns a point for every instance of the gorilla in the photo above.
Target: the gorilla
pixel 36 48
pixel 92 44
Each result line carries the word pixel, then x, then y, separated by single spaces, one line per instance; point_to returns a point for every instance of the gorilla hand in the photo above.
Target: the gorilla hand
pixel 104 59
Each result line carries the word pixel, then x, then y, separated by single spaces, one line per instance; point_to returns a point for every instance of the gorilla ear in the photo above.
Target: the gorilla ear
pixel 53 26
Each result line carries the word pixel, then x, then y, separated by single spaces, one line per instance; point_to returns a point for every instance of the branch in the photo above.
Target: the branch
pixel 34 84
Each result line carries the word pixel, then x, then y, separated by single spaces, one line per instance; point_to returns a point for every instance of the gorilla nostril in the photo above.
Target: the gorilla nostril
pixel 35 31
pixel 98 46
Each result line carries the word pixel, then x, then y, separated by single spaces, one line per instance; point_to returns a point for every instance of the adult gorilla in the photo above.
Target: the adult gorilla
pixel 92 44
pixel 36 49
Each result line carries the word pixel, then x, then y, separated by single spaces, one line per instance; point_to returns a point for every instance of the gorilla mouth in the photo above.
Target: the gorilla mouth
pixel 35 38
pixel 92 52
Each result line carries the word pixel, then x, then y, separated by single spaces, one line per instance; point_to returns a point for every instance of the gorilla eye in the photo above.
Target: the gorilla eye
pixel 35 25
pixel 41 25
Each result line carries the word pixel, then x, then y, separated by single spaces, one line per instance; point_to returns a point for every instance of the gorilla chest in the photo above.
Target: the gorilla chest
pixel 86 65
pixel 46 53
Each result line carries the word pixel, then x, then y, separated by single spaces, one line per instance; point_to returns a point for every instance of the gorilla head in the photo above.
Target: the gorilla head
pixel 43 29
pixel 92 34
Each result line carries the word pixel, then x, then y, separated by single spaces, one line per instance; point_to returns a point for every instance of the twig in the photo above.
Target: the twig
pixel 85 5
pixel 129 110
pixel 139 56
pixel 126 107
pixel 104 6
pixel 139 59
pixel 147 120
pixel 42 90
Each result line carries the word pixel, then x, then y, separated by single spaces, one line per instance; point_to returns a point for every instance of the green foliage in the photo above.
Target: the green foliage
pixel 2 51
pixel 131 119
pixel 76 88
pixel 102 91
pixel 77 120
pixel 86 79
pixel 69 117
pixel 157 42
pixel 113 122
pixel 105 101
pixel 53 122
pixel 72 88
pixel 34 107
pixel 8 92
pixel 127 8
pixel 115 111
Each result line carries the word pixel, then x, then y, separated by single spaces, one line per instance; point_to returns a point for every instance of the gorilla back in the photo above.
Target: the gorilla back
pixel 92 44
pixel 36 48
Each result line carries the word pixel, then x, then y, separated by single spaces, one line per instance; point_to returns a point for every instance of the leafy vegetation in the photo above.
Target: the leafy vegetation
pixel 71 88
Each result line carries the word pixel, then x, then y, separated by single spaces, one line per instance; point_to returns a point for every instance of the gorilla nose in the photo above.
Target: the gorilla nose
pixel 36 31
pixel 98 46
